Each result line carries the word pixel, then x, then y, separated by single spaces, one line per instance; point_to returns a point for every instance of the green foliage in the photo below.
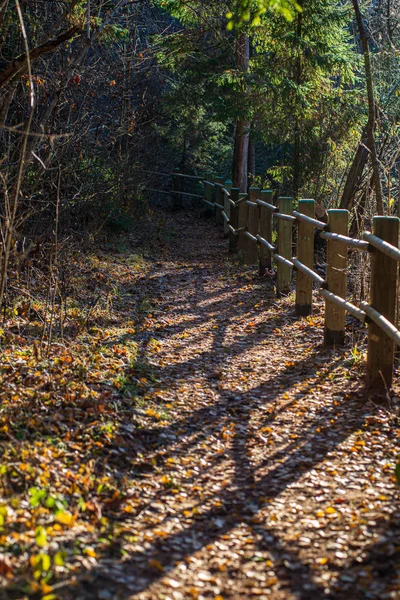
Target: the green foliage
pixel 113 32
pixel 397 473
pixel 185 12
pixel 243 11
pixel 302 76
pixel 120 223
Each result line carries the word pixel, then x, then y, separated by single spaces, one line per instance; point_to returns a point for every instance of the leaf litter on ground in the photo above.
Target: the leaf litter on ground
pixel 187 437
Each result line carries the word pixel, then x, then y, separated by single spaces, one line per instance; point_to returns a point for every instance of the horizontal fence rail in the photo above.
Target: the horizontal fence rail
pixel 344 239
pixel 383 246
pixel 248 223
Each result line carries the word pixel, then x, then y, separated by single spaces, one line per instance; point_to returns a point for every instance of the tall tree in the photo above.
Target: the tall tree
pixel 304 77
pixel 242 129
pixel 371 108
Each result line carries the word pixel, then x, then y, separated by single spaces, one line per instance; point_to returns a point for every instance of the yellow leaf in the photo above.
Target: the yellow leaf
pixel 40 536
pixel 269 563
pixel 330 510
pixel 90 552
pixel 322 561
pixel 155 564
pixel 59 559
pixel 65 518
pixel 160 533
pixel 46 589
pixel 266 430
pixel 34 559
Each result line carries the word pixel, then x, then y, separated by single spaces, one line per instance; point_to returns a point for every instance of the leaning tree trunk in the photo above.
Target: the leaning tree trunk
pixel 251 160
pixel 297 135
pixel 371 109
pixel 241 146
pixel 355 173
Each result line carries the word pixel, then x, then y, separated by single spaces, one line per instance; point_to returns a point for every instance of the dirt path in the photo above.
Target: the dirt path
pixel 232 458
pixel 263 474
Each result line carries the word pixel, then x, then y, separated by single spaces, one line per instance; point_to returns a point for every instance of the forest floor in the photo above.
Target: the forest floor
pixel 184 436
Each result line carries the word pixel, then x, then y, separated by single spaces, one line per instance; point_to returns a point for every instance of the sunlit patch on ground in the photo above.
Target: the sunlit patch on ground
pixel 190 438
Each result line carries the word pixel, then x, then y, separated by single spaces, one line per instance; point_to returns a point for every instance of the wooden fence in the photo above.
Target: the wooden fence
pixel 248 221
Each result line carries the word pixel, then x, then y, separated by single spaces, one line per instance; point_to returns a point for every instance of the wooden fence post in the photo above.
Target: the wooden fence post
pixel 242 224
pixel 234 220
pixel 219 199
pixel 285 206
pixel 227 206
pixel 336 278
pixel 383 298
pixel 208 195
pixel 305 254
pixel 253 217
pixel 266 226
pixel 177 186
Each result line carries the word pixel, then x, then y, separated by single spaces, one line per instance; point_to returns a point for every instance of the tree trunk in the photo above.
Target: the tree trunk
pixel 251 161
pixel 355 173
pixel 297 140
pixel 371 109
pixel 241 146
pixel 357 224
pixel 19 65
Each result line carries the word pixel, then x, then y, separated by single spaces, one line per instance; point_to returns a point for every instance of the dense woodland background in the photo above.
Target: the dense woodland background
pixel 93 93
pixel 168 428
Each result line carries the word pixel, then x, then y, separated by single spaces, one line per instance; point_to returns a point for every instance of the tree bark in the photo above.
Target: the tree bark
pixel 18 65
pixel 371 108
pixel 297 139
pixel 355 173
pixel 241 145
pixel 251 161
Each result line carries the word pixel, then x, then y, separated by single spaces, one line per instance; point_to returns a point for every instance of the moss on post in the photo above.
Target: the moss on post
pixel 177 186
pixel 234 220
pixel 253 218
pixel 227 206
pixel 336 278
pixel 219 199
pixel 285 206
pixel 305 254
pixel 266 226
pixel 383 298
pixel 242 224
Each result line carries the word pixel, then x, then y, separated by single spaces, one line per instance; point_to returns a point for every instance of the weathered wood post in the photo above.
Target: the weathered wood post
pixel 251 257
pixel 177 186
pixel 208 194
pixel 285 206
pixel 219 199
pixel 227 206
pixel 234 220
pixel 305 254
pixel 383 298
pixel 265 230
pixel 242 224
pixel 336 278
